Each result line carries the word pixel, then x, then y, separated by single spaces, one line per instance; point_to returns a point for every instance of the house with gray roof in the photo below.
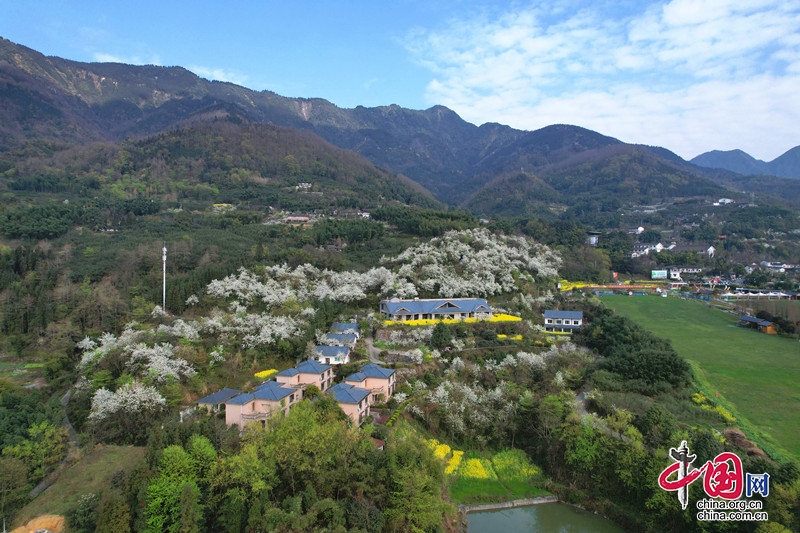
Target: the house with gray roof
pixel 562 321
pixel 437 309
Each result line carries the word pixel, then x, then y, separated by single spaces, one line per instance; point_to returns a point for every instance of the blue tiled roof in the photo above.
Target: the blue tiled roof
pixel 569 315
pixel 241 399
pixel 344 338
pixel 312 367
pixel 376 371
pixel 395 306
pixel 755 320
pixel 358 376
pixel 332 351
pixel 220 396
pixel 288 372
pixel 345 393
pixel 342 327
pixel 272 390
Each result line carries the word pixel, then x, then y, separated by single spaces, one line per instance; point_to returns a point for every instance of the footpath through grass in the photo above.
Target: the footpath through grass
pixel 757 375
pixel 90 474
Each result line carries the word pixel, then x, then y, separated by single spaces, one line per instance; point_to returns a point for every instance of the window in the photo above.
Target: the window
pixel 558 321
pixel 549 321
pixel 576 322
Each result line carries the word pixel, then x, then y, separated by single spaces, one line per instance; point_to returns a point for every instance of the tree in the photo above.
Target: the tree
pixel 441 336
pixel 115 515
pixel 45 448
pixel 13 486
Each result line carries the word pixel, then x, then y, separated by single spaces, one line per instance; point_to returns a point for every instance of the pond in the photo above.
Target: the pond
pixel 548 517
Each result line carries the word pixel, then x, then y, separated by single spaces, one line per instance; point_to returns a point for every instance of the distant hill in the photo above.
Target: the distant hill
pixel 786 165
pixel 461 164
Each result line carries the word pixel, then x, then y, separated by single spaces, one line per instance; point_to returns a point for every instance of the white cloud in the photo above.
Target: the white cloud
pixel 219 74
pixel 133 60
pixel 690 75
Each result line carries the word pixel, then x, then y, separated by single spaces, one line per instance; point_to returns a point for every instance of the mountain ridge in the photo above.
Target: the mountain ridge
pixel 453 159
pixel 786 165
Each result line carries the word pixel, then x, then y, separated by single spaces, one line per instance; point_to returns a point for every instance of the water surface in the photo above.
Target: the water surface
pixel 546 517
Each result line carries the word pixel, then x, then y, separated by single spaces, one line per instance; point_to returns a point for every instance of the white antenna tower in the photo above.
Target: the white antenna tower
pixel 164 285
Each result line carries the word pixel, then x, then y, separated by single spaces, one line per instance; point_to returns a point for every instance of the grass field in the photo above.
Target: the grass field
pixel 89 475
pixel 757 375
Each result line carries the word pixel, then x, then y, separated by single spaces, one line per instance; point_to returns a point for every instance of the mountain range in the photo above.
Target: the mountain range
pixel 786 165
pixel 488 169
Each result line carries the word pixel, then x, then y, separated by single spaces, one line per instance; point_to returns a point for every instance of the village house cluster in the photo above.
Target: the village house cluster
pixel 372 384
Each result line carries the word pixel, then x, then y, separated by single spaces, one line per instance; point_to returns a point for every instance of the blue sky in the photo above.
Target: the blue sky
pixel 688 75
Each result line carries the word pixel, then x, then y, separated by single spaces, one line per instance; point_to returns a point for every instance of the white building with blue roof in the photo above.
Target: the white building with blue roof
pixel 346 327
pixel 562 321
pixel 435 309
pixel 340 339
pixel 332 355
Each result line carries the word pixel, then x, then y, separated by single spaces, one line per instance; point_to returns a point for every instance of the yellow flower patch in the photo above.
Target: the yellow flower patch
pixel 500 317
pixel 477 469
pixel 454 462
pixel 513 465
pixel 266 374
pixel 441 451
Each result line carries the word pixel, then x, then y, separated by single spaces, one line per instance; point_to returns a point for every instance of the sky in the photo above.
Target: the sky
pixel 688 75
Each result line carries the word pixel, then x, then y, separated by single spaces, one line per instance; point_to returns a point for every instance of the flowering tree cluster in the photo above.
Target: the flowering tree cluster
pixel 471 411
pixel 460 263
pixel 474 263
pixel 477 403
pixel 129 399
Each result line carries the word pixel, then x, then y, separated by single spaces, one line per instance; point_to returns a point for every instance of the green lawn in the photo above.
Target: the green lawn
pixel 89 475
pixel 756 374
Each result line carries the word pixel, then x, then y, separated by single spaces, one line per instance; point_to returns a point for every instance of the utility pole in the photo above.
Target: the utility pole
pixel 164 284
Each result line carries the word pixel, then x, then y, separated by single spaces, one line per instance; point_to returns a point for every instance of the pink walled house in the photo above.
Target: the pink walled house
pixel 355 396
pixel 354 401
pixel 259 405
pixel 378 380
pixel 307 373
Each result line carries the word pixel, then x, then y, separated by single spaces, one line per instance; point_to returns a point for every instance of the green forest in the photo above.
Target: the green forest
pixel 588 418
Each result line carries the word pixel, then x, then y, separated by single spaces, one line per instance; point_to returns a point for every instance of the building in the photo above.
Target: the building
pixel 307 373
pixel 702 249
pixel 764 326
pixel 346 327
pixel 332 355
pixel 378 380
pixel 258 406
pixel 676 272
pixel 644 248
pixel 562 321
pixel 341 339
pixel 354 401
pixel 453 308
pixel 216 402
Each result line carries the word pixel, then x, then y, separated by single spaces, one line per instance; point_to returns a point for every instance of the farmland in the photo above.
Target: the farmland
pixel 755 374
